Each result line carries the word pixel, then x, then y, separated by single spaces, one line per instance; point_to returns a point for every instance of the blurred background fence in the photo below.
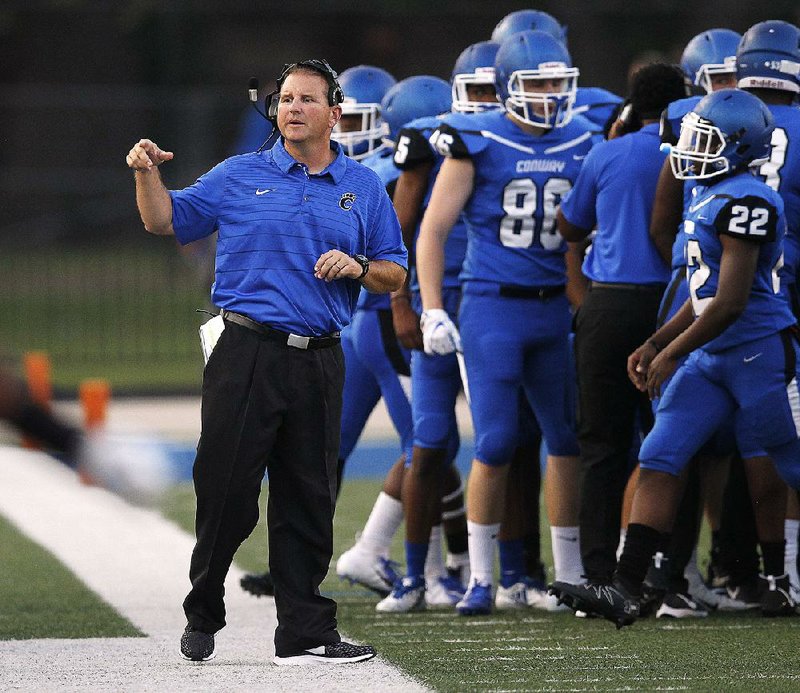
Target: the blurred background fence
pixel 82 80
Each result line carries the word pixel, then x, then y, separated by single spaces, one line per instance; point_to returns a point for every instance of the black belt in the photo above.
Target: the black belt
pixel 629 287
pixel 293 340
pixel 540 292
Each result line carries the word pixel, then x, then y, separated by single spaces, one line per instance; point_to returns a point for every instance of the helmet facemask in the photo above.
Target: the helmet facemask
pixel 365 139
pixel 703 76
pixel 462 102
pixel 698 153
pixel 544 109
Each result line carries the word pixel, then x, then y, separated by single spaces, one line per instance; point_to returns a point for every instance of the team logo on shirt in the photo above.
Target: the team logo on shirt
pixel 347 201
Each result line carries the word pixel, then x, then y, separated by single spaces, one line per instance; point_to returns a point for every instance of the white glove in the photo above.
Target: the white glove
pixel 439 334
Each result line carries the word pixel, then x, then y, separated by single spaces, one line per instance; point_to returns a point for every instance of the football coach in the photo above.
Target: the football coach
pixel 301 228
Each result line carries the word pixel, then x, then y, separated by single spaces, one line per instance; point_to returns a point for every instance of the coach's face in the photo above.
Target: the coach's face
pixel 304 115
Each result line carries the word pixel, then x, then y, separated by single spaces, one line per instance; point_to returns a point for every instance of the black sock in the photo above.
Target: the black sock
pixel 772 554
pixel 35 421
pixel 640 545
pixel 533 554
pixel 457 542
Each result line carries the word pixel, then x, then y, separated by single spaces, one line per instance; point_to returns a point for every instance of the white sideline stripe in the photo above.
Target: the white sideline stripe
pixel 138 562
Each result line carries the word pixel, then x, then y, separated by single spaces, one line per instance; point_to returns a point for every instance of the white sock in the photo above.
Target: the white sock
pixel 791 528
pixel 482 542
pixel 434 564
pixel 622 534
pixel 382 525
pixel 567 563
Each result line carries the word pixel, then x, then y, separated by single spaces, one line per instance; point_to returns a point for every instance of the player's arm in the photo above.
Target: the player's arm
pixel 152 198
pixel 743 225
pixel 667 212
pixel 450 193
pixel 409 195
pixel 577 283
pixel 569 231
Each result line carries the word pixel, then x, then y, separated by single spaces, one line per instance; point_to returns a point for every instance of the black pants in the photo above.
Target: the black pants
pixel 268 404
pixel 610 324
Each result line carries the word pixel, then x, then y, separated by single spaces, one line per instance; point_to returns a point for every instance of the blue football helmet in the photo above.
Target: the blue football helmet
pixel 364 87
pixel 525 58
pixel 727 130
pixel 412 98
pixel 474 66
pixel 529 20
pixel 769 57
pixel 711 52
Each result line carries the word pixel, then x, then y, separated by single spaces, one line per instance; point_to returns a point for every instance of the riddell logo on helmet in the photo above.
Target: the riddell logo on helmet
pixel 553 66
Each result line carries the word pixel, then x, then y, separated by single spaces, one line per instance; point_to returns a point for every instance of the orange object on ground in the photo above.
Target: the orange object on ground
pixel 95 395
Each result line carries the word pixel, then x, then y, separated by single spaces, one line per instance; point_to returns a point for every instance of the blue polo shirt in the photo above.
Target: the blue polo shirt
pixel 274 219
pixel 614 191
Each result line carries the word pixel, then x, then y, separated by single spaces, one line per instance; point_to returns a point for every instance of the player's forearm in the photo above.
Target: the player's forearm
pixel 384 276
pixel 154 202
pixel 430 266
pixel 667 212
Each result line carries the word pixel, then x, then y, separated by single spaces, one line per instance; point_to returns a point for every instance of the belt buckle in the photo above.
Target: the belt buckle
pixel 298 342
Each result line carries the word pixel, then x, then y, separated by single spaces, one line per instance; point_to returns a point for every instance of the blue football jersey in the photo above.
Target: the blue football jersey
pixel 381 162
pixel 596 105
pixel 745 208
pixel 781 172
pixel 520 180
pixel 413 149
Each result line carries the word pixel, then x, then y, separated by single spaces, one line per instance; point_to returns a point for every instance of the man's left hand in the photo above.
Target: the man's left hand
pixel 336 265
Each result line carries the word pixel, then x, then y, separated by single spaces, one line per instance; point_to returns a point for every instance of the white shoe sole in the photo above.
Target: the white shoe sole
pixel 198 661
pixel 315 660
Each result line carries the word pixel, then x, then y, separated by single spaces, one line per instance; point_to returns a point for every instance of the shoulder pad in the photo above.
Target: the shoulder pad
pixel 412 149
pixel 750 217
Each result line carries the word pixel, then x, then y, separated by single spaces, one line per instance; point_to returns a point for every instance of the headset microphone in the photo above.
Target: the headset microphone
pixel 252 89
pixel 252 95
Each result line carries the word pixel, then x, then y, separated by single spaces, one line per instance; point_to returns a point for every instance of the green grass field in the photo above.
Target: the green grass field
pixel 519 651
pixel 530 650
pixel 40 598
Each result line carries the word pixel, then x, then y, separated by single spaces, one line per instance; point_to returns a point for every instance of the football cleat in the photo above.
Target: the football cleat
pixel 442 591
pixel 611 601
pixel 408 595
pixel 676 605
pixel 747 595
pixel 258 584
pixel 776 599
pixel 513 597
pixel 477 600
pixel 376 573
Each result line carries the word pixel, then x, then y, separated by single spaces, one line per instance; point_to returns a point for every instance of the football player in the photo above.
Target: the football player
pixel 416 97
pixel 507 171
pixel 709 64
pixel 735 329
pixel 594 103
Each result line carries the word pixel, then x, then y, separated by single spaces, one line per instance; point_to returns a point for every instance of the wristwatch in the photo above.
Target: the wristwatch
pixel 362 260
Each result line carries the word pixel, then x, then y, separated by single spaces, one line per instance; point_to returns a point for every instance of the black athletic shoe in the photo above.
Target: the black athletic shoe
pixel 337 653
pixel 258 584
pixel 197 646
pixel 776 597
pixel 611 601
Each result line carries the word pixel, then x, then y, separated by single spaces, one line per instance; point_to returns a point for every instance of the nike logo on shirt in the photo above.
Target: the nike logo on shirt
pixel 748 359
pixel 263 192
